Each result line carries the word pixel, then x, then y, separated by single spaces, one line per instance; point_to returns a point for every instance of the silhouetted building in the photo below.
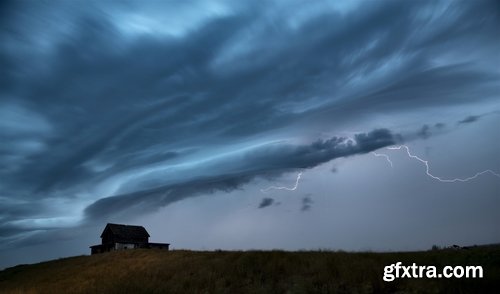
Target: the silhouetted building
pixel 120 237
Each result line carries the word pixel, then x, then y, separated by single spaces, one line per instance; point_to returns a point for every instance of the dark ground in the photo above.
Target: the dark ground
pixel 157 271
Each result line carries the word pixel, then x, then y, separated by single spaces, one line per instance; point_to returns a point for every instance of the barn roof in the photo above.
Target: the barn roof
pixel 126 231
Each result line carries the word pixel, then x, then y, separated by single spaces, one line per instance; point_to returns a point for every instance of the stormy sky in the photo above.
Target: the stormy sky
pixel 195 118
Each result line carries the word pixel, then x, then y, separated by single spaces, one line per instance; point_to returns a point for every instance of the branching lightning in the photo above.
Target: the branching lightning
pixel 282 187
pixel 427 168
pixel 425 162
pixel 385 156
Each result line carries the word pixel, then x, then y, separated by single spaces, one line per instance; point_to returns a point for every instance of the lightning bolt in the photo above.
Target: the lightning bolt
pixel 383 155
pixel 284 188
pixel 425 162
pixel 427 168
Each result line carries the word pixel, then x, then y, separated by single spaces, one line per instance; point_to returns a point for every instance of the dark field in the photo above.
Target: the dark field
pixel 156 271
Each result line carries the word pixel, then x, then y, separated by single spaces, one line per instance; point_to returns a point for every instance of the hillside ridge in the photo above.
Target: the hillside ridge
pixel 181 271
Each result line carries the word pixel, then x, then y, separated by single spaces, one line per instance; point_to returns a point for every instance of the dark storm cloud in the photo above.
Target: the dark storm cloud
pixel 94 100
pixel 469 119
pixel 424 132
pixel 306 203
pixel 12 211
pixel 266 202
pixel 9 230
pixel 149 200
pixel 261 162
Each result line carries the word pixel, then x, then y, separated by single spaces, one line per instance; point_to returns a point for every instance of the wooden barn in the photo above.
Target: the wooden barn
pixel 121 237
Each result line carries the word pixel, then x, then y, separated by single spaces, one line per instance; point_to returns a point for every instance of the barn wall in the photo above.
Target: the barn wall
pixel 121 246
pixel 108 237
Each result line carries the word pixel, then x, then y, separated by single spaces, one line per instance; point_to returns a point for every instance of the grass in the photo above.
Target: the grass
pixel 157 271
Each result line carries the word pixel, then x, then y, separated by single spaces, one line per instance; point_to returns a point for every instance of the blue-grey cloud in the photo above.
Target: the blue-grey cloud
pixel 266 202
pixel 261 162
pixel 109 108
pixel 306 203
pixel 469 119
pixel 424 132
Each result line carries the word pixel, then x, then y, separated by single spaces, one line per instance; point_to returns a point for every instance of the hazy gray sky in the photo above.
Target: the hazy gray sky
pixel 176 115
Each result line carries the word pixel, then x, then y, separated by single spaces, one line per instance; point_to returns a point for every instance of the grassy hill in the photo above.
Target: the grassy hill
pixel 156 271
